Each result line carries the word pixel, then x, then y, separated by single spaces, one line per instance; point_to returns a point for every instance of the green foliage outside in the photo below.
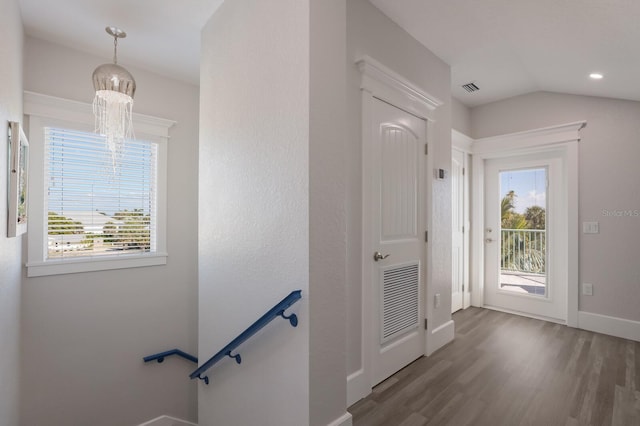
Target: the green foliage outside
pixel 522 251
pixel 131 232
pixel 534 217
pixel 61 225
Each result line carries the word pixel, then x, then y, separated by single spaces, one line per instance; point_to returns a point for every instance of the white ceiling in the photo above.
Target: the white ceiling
pixel 162 35
pixel 507 47
pixel 510 47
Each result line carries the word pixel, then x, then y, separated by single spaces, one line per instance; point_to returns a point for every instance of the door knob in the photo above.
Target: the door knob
pixel 378 256
pixel 488 240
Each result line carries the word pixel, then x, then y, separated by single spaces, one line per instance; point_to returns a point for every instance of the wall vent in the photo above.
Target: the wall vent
pixel 400 301
pixel 470 87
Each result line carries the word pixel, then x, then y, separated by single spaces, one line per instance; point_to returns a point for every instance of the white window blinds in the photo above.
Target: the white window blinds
pixel 94 209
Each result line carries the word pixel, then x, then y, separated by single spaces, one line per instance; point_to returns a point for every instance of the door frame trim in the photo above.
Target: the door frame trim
pixel 380 82
pixel 463 143
pixel 564 137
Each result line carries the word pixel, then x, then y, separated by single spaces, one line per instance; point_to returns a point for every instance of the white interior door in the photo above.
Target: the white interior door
pixel 396 257
pixel 526 235
pixel 460 298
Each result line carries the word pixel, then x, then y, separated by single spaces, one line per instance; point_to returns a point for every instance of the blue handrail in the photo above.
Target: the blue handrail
pixel 162 355
pixel 277 310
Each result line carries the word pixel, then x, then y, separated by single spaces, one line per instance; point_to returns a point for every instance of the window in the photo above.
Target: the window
pixel 85 214
pixel 94 208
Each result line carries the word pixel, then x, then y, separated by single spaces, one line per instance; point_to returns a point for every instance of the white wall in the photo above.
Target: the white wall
pixel 11 42
pixel 272 210
pixel 369 32
pixel 84 335
pixel 327 220
pixel 254 210
pixel 608 176
pixel 460 117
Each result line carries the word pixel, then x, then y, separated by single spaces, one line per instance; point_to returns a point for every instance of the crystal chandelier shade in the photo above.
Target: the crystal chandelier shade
pixel 113 101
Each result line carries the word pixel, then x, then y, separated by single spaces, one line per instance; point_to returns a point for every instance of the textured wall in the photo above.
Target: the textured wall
pixel 327 225
pixel 86 333
pixel 254 209
pixel 608 180
pixel 11 41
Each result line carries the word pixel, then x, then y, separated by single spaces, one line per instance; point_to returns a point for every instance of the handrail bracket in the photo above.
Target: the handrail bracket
pixel 293 318
pixel 227 351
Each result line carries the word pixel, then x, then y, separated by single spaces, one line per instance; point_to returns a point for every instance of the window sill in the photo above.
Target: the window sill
pixel 94 264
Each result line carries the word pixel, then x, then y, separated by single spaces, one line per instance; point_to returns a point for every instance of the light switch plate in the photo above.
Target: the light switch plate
pixel 590 227
pixel 587 289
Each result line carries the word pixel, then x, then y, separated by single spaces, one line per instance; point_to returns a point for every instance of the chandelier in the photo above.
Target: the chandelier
pixel 113 102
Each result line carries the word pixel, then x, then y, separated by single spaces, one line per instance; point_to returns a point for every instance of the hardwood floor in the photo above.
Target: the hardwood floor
pixel 504 369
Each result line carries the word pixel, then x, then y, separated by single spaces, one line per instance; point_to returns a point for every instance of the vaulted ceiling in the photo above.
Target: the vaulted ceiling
pixel 505 47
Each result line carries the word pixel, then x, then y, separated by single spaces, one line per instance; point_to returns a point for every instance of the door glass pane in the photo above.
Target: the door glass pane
pixel 523 234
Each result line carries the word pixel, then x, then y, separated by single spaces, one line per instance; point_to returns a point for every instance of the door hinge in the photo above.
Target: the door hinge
pixel 463 288
pixel 425 323
pixel 463 229
pixel 426 236
pixel 463 170
pixel 426 149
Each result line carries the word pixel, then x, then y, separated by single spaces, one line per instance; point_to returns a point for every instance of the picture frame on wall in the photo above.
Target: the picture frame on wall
pixel 18 190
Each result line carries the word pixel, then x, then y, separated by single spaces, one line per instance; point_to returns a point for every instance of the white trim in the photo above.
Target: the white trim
pixel 89 264
pixel 554 303
pixel 343 420
pixel 461 142
pixel 535 138
pixel 167 421
pixel 389 86
pixel 81 112
pixel 476 277
pixel 378 81
pixel 525 314
pixel 357 387
pixel 44 110
pixel 613 326
pixel 564 137
pixel 440 336
pixel 573 233
pixel 367 277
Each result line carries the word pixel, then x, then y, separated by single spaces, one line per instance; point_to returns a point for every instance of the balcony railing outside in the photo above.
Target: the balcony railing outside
pixel 523 250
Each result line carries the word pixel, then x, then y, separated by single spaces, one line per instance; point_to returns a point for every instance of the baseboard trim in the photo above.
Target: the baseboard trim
pixel 357 387
pixel 167 421
pixel 525 314
pixel 613 326
pixel 343 420
pixel 440 336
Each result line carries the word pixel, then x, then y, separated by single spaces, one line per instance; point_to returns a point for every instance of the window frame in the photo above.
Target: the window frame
pixel 46 111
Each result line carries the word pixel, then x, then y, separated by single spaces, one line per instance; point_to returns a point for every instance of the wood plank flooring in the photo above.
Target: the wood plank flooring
pixel 504 369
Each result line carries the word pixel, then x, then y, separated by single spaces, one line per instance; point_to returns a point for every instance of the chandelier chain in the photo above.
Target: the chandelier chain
pixel 115 49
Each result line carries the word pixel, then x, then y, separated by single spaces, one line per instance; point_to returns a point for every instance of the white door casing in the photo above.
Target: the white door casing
pixel 398 216
pixel 553 305
pixel 379 83
pixel 564 138
pixel 460 297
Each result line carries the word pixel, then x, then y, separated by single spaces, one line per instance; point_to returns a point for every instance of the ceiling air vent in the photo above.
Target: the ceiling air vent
pixel 470 87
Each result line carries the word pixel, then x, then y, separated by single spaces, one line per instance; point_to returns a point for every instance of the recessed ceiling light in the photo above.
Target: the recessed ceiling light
pixel 596 75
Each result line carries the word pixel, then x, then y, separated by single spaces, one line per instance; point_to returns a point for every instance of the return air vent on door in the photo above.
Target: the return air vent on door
pixel 400 298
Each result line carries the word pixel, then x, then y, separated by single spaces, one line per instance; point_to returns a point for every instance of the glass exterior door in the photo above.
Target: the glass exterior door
pixel 523 233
